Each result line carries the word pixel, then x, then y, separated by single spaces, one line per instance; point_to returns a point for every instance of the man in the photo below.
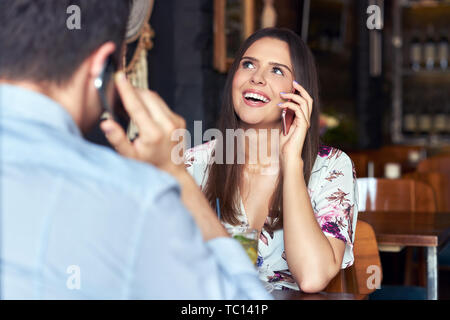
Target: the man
pixel 79 221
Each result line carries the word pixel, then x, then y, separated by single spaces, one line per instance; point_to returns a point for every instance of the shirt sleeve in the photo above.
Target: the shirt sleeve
pixel 174 262
pixel 335 202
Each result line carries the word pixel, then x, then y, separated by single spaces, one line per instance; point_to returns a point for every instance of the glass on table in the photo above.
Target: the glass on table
pixel 248 238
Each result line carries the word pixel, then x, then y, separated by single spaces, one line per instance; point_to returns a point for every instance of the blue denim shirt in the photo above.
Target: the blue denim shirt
pixel 78 221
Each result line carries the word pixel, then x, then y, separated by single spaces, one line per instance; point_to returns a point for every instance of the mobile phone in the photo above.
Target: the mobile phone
pixel 287 117
pixel 101 83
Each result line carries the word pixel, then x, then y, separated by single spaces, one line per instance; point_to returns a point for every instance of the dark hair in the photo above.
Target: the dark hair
pixel 223 179
pixel 36 44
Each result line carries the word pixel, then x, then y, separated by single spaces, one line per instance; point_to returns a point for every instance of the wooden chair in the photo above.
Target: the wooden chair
pixel 355 279
pixel 439 163
pixel 377 194
pixel 439 182
pixel 398 195
pixel 436 172
pixel 405 156
pixel 361 161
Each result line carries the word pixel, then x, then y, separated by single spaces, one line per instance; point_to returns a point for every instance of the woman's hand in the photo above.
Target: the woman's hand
pixel 156 123
pixel 291 145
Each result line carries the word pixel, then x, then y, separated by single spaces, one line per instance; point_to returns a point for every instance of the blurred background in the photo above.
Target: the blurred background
pixel 384 84
pixel 379 87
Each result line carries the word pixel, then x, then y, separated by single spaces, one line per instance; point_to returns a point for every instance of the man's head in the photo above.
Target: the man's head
pixel 42 48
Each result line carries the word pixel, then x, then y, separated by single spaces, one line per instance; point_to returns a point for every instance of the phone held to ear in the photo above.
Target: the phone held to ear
pixel 101 83
pixel 287 117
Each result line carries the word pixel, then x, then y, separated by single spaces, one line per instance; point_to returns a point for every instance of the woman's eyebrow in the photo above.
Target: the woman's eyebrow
pixel 280 65
pixel 271 63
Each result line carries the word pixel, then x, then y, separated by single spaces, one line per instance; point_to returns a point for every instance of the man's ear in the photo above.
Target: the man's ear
pixel 99 57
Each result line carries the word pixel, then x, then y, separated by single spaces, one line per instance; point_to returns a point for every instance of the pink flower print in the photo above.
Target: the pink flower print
pixel 333 228
pixel 282 275
pixel 331 212
pixel 188 163
pixel 338 196
pixel 335 152
pixel 264 239
pixel 333 175
pixel 350 212
pixel 324 151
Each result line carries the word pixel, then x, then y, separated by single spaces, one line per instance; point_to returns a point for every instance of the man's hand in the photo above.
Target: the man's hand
pixel 156 123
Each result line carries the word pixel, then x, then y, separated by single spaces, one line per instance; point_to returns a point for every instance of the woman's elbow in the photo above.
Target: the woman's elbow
pixel 317 282
pixel 313 285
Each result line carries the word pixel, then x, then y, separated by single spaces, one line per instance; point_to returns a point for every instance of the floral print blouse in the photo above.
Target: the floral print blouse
pixel 334 197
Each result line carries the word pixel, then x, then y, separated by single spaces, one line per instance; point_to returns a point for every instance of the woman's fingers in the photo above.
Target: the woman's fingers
pixel 117 138
pixel 298 100
pixel 303 95
pixel 301 110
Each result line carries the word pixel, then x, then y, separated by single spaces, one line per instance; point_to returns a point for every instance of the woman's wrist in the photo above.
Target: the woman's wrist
pixel 292 164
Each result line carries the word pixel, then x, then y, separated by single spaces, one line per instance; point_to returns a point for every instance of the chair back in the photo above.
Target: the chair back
pixel 360 161
pixel 440 163
pixel 439 182
pixel 405 156
pixel 376 194
pixel 366 273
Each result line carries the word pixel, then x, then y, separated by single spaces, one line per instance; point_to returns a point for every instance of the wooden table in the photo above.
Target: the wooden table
pixel 414 229
pixel 297 295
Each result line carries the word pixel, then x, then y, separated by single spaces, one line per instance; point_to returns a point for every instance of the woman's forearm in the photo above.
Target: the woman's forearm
pixel 309 254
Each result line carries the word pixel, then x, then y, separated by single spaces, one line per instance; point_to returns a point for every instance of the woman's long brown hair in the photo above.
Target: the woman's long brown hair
pixel 224 179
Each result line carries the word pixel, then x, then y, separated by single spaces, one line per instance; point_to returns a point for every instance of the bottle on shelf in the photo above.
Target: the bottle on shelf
pixel 440 122
pixel 409 114
pixel 409 122
pixel 440 117
pixel 424 121
pixel 446 107
pixel 443 52
pixel 415 52
pixel 430 49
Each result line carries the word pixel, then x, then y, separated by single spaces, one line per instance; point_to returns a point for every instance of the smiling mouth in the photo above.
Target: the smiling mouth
pixel 255 99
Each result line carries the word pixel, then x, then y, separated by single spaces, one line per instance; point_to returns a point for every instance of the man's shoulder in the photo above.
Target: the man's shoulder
pixel 126 174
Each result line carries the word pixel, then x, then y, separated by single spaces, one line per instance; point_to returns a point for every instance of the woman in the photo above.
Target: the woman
pixel 304 203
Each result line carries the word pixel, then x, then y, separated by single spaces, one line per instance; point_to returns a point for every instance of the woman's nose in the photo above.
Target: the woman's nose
pixel 258 79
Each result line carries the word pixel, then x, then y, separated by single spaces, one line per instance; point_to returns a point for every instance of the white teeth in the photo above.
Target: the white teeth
pixel 256 96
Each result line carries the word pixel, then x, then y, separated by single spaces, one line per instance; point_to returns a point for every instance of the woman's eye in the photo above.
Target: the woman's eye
pixel 247 65
pixel 278 71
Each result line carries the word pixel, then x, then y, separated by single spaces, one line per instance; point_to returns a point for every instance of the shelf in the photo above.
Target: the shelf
pixel 428 141
pixel 423 72
pixel 424 3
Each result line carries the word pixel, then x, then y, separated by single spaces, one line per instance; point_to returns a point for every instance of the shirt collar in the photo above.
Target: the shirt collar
pixel 33 106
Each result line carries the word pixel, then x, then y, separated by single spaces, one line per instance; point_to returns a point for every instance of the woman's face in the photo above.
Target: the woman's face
pixel 264 71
